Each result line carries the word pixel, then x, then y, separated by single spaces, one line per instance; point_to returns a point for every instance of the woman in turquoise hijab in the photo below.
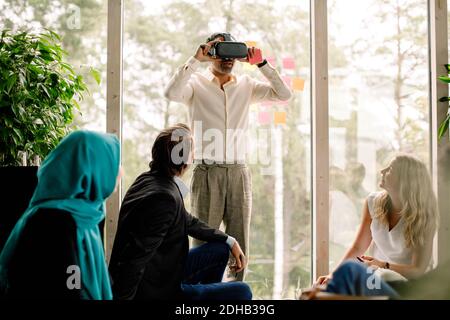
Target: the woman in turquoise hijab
pixel 57 240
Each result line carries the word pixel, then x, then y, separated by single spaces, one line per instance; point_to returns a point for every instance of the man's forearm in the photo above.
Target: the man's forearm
pixel 201 231
pixel 280 90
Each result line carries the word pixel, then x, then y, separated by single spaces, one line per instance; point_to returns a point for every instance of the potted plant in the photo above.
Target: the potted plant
pixel 443 127
pixel 39 94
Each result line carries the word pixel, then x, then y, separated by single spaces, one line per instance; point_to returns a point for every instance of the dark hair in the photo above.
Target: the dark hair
pixel 224 35
pixel 171 149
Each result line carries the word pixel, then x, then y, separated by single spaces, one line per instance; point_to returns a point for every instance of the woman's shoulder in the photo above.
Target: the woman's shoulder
pixel 49 218
pixel 54 230
pixel 371 197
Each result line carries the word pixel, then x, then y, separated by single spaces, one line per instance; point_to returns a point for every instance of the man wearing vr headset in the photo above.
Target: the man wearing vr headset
pixel 218 104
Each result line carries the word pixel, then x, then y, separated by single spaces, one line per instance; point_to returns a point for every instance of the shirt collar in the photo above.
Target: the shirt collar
pixel 211 77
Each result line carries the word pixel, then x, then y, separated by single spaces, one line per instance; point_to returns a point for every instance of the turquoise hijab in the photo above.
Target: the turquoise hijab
pixel 77 177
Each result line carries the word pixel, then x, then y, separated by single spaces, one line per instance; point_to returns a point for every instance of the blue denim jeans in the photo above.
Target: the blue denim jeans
pixel 203 274
pixel 356 279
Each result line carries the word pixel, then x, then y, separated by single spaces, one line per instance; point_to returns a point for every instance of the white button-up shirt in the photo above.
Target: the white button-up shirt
pixel 219 118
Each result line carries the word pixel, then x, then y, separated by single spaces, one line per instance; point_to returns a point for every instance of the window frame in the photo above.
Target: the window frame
pixel 439 154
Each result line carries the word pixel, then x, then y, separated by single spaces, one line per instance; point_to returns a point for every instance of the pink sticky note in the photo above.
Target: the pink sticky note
pixel 271 60
pixel 282 103
pixel 263 117
pixel 288 63
pixel 267 104
pixel 287 80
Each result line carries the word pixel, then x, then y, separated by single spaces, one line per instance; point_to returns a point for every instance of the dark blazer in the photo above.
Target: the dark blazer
pixel 151 243
pixel 45 249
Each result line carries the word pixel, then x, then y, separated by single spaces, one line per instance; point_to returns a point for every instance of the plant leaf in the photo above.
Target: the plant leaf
pixel 444 79
pixel 443 127
pixel 11 82
pixel 96 75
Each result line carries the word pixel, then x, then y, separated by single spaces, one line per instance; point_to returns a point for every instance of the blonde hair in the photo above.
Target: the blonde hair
pixel 419 208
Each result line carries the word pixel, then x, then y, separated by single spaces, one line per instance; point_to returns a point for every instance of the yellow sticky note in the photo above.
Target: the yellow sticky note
pixel 249 67
pixel 298 84
pixel 251 43
pixel 279 117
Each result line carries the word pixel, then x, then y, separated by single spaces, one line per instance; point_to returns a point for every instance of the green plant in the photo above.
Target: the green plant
pixel 38 95
pixel 443 127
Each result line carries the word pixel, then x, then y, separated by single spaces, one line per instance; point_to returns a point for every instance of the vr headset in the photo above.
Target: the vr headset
pixel 228 49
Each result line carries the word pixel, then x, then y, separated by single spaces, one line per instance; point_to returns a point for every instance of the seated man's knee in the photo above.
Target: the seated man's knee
pixel 221 248
pixel 242 291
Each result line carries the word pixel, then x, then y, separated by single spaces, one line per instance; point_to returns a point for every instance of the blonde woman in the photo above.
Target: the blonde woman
pixel 399 222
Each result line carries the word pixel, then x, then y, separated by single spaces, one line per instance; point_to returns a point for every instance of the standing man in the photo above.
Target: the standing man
pixel 218 103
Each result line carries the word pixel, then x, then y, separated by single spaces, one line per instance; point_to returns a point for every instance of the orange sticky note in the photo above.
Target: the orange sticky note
pixel 298 84
pixel 251 43
pixel 279 117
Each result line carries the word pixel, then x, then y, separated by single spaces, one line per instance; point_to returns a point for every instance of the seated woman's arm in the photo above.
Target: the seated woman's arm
pixel 419 262
pixel 363 237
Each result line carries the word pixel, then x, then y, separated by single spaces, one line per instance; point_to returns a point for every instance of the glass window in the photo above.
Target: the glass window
pixel 159 38
pixel 82 27
pixel 378 72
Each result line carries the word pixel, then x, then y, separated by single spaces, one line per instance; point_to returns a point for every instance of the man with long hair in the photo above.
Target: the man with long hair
pixel 151 257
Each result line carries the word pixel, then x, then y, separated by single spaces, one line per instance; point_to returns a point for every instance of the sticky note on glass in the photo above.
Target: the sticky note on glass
pixel 251 43
pixel 298 84
pixel 271 60
pixel 287 80
pixel 282 103
pixel 264 117
pixel 249 67
pixel 279 117
pixel 288 63
pixel 267 104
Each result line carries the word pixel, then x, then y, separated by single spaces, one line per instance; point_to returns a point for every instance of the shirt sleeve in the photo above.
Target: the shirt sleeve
pixel 275 90
pixel 201 231
pixel 371 203
pixel 230 241
pixel 179 88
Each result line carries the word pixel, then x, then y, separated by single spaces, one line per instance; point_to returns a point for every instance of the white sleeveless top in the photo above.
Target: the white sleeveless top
pixel 388 245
